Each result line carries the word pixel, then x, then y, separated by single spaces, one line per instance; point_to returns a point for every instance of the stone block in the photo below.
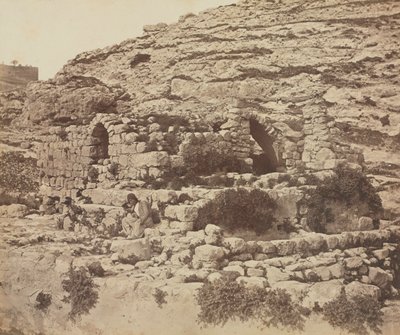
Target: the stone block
pixel 267 247
pixel 257 282
pixel 355 288
pixel 209 253
pixel 379 277
pixel 129 250
pixel 234 268
pixel 252 272
pixel 235 245
pixel 353 263
pixel 182 212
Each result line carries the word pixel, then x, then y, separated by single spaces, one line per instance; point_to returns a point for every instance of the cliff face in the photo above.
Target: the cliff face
pixel 281 58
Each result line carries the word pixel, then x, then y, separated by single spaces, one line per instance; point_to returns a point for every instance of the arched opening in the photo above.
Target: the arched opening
pixel 267 160
pixel 101 141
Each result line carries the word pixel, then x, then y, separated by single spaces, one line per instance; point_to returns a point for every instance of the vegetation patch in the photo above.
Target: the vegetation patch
pixel 43 301
pixel 348 187
pixel 18 173
pixel 82 292
pixel 237 209
pixel 225 299
pixel 358 315
pixel 159 297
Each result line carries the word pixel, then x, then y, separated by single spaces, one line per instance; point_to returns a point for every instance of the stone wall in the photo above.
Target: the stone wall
pixel 136 148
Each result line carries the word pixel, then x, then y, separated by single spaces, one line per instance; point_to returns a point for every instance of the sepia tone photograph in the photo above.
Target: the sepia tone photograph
pixel 199 167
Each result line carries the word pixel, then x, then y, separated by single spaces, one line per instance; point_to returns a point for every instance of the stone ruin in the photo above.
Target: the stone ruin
pixel 129 116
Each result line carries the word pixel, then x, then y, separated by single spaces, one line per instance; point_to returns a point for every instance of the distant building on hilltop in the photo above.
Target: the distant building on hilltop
pixel 13 77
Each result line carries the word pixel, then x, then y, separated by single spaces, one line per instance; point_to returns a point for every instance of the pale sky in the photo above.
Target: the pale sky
pixel 47 33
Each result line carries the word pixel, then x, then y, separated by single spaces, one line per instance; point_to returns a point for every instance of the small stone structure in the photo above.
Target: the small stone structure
pixel 141 148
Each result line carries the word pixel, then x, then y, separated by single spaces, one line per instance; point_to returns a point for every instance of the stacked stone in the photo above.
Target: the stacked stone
pixel 310 264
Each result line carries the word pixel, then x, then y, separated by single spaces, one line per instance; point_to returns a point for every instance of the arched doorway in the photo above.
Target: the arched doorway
pixel 101 142
pixel 267 160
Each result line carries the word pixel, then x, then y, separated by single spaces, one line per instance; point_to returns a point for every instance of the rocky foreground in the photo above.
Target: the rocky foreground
pixel 36 256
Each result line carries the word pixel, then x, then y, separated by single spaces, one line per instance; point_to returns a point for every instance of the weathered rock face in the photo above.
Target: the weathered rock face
pixel 337 59
pixel 68 99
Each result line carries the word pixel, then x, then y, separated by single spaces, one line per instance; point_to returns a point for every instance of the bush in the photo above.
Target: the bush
pixel 93 174
pixel 43 301
pixel 96 269
pixel 356 315
pixel 159 297
pixel 17 173
pixel 238 208
pixel 113 169
pixel 205 160
pixel 225 299
pixel 348 187
pixel 82 293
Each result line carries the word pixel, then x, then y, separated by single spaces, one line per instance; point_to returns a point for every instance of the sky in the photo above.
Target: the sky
pixel 47 33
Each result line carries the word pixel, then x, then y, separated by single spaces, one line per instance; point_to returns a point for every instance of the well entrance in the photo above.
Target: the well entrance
pixel 267 161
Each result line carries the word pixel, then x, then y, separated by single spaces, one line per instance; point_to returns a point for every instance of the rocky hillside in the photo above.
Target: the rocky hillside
pixel 281 58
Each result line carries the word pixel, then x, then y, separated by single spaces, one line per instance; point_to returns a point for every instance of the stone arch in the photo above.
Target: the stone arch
pixel 268 161
pixel 101 142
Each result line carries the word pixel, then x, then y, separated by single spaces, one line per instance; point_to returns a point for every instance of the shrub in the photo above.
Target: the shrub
pixel 220 180
pixel 225 299
pixel 348 187
pixel 93 174
pixel 159 296
pixel 82 293
pixel 95 269
pixel 43 301
pixel 113 169
pixel 205 160
pixel 18 173
pixel 238 209
pixel 356 315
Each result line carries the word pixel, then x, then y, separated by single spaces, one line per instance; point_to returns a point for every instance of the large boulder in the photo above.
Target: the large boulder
pixel 132 250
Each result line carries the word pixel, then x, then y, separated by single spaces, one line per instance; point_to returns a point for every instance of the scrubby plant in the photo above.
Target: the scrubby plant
pixel 348 187
pixel 205 160
pixel 225 299
pixel 235 209
pixel 18 173
pixel 43 301
pixel 357 315
pixel 96 269
pixel 159 297
pixel 113 169
pixel 93 174
pixel 82 292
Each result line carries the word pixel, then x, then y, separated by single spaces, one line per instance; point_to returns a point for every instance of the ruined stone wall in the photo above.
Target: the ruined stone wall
pixel 115 149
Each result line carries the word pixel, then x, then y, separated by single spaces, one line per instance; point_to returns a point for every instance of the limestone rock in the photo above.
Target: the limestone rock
pixel 136 250
pixel 379 277
pixel 209 253
pixel 235 245
pixel 355 288
pixel 253 281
